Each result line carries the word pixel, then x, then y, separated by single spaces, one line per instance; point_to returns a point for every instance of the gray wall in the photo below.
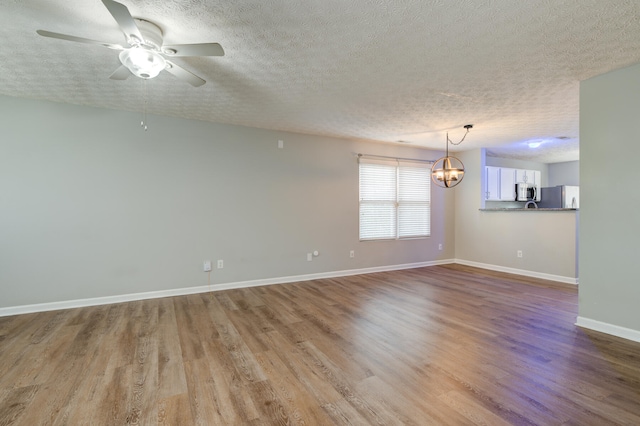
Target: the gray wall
pixel 610 201
pixel 565 173
pixel 92 206
pixel 492 238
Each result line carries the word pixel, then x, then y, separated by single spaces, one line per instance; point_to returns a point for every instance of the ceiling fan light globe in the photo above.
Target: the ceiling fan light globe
pixel 142 63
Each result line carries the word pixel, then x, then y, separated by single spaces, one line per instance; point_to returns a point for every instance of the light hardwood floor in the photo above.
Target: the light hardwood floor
pixel 444 345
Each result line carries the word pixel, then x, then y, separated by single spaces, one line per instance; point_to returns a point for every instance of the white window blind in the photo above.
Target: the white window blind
pixel 394 199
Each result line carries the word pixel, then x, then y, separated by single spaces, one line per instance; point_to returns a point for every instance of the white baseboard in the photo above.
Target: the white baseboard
pixel 614 330
pixel 533 274
pixel 80 303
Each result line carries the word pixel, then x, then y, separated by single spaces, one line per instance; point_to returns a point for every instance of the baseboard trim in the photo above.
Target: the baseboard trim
pixel 532 274
pixel 614 330
pixel 106 300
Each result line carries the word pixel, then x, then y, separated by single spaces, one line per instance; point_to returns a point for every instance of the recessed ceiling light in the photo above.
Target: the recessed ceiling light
pixel 534 144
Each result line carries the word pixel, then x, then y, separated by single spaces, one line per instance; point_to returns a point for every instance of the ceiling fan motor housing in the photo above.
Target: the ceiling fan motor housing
pixel 143 58
pixel 151 32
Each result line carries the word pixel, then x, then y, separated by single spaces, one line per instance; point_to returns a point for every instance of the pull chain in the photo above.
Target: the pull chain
pixel 143 123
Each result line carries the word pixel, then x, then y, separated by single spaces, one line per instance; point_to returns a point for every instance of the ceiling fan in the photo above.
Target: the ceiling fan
pixel 146 56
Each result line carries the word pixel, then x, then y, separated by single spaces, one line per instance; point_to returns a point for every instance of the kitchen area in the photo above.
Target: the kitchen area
pixel 507 188
pixel 523 229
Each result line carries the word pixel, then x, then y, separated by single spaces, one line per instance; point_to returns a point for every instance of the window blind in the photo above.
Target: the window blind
pixel 394 199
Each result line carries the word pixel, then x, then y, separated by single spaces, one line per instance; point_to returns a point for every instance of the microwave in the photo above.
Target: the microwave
pixel 526 192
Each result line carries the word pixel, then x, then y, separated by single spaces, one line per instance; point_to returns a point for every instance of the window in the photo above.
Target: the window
pixel 395 199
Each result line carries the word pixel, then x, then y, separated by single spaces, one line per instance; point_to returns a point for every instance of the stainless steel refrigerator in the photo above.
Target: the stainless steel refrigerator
pixel 560 197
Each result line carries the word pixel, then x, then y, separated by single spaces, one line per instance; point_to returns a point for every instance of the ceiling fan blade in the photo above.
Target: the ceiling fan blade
pixel 202 49
pixel 50 34
pixel 122 73
pixel 184 75
pixel 122 16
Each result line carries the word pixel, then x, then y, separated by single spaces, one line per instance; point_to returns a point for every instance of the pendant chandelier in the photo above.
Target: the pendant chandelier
pixel 448 171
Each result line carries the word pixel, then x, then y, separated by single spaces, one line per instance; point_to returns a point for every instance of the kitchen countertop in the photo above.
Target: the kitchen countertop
pixel 506 209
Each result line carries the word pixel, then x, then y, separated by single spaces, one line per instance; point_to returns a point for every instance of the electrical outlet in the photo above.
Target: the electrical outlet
pixel 309 257
pixel 280 144
pixel 220 264
pixel 207 266
pixel 519 253
pixel 352 254
pixel 439 246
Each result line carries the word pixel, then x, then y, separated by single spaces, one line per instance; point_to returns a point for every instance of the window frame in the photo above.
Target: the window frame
pixel 400 168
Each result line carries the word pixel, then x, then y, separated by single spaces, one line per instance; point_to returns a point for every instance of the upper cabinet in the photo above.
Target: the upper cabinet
pixel 492 183
pixel 532 177
pixel 507 184
pixel 500 182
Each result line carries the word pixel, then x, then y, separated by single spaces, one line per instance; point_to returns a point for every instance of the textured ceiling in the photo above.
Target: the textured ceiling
pixel 367 69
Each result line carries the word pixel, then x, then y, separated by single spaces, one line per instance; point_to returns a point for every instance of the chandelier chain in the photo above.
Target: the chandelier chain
pixel 465 135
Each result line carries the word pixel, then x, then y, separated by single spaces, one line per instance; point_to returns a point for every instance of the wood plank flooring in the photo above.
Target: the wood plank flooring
pixel 443 345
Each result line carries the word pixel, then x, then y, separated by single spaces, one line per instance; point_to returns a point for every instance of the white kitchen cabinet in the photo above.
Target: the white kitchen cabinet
pixel 507 184
pixel 500 182
pixel 521 176
pixel 492 183
pixel 532 177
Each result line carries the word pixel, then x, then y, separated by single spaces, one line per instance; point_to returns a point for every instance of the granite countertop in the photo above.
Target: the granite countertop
pixel 506 209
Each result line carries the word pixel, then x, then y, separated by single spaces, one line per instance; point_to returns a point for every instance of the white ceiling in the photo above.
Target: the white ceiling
pixel 360 69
